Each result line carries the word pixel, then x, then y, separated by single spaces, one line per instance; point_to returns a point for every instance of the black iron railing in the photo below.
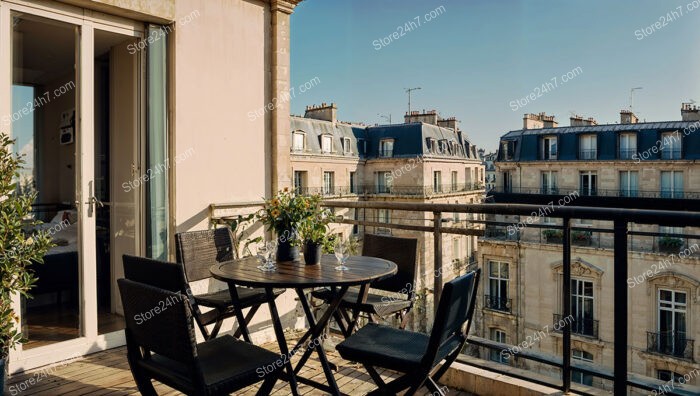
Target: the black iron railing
pixel 371 189
pixel 498 303
pixel 671 343
pixel 670 154
pixel 579 325
pixel 621 333
pixel 587 154
pixel 636 193
pixel 386 153
pixel 626 154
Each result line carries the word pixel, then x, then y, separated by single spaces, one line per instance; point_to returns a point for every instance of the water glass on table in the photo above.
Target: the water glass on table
pixel 342 253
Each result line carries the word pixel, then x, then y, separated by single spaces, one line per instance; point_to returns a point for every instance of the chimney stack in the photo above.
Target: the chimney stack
pixel 539 121
pixel 323 112
pixel 428 117
pixel 450 122
pixel 690 112
pixel 578 120
pixel 628 117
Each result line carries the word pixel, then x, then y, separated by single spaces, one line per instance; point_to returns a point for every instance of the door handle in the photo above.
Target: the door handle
pixel 94 200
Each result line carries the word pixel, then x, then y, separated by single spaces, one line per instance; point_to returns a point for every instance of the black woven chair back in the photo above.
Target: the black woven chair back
pixel 456 307
pixel 158 320
pixel 403 252
pixel 160 274
pixel 199 250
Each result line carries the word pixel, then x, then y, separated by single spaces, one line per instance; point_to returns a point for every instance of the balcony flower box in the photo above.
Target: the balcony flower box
pixel 670 244
pixel 553 236
pixel 581 238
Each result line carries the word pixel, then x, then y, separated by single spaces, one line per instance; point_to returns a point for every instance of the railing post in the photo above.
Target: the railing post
pixel 566 302
pixel 620 307
pixel 437 245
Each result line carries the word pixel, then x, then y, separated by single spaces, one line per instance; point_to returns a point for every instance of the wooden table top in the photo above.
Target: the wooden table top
pixel 244 272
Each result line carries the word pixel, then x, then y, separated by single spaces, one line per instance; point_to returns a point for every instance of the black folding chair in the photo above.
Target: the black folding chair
pixel 417 355
pixel 198 251
pixel 161 345
pixel 168 276
pixel 401 287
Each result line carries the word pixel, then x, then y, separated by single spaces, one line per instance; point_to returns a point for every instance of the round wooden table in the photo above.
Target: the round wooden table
pixel 299 276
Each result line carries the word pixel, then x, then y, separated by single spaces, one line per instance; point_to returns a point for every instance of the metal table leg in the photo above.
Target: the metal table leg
pixel 314 332
pixel 282 341
pixel 242 324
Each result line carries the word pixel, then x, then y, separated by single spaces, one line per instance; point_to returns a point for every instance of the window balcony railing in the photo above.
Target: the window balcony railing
pixel 370 189
pixel 579 325
pixel 626 153
pixel 670 154
pixel 621 337
pixel 498 303
pixel 587 154
pixel 636 193
pixel 386 153
pixel 672 343
pixel 549 190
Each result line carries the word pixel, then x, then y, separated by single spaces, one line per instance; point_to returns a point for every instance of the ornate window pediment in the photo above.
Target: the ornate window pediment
pixel 579 267
pixel 675 280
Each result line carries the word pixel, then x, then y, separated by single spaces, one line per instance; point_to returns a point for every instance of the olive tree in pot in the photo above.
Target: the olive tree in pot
pixel 314 230
pixel 18 249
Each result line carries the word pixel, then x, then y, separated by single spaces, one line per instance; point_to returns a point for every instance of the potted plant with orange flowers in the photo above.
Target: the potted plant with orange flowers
pixel 283 214
pixel 18 251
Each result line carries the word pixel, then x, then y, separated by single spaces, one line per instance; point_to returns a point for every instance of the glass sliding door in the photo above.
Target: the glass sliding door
pixel 43 120
pixel 116 120
pixel 157 145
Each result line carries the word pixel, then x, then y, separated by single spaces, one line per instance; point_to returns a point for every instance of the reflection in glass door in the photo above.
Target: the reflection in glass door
pixel 116 159
pixel 43 120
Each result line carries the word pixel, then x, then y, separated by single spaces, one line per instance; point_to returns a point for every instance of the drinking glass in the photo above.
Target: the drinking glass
pixel 262 253
pixel 270 253
pixel 341 254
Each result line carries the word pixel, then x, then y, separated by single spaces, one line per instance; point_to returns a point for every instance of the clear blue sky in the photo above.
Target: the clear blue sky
pixel 478 56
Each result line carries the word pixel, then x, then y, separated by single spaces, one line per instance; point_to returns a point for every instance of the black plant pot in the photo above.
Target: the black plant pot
pixel 312 253
pixel 285 250
pixel 2 375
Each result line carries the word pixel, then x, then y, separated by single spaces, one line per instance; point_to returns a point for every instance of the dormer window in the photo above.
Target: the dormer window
pixel 386 148
pixel 432 145
pixel 346 146
pixel 442 147
pixel 326 143
pixel 548 148
pixel 507 150
pixel 298 141
pixel 588 147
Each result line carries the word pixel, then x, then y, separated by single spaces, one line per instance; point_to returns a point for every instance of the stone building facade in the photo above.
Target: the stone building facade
pixel 424 160
pixel 626 165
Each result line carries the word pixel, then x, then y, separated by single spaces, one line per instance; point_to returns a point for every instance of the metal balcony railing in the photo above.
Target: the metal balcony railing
pixel 636 193
pixel 626 153
pixel 390 189
pixel 384 153
pixel 587 154
pixel 670 153
pixel 671 343
pixel 579 325
pixel 498 303
pixel 621 335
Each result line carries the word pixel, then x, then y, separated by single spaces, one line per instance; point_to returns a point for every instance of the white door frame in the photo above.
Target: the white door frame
pixel 87 22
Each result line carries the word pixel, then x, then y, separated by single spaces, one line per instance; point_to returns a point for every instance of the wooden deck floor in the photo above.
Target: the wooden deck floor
pixel 107 373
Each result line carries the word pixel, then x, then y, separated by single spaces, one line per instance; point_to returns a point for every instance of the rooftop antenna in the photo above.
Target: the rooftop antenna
pixel 408 91
pixel 385 117
pixel 632 95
